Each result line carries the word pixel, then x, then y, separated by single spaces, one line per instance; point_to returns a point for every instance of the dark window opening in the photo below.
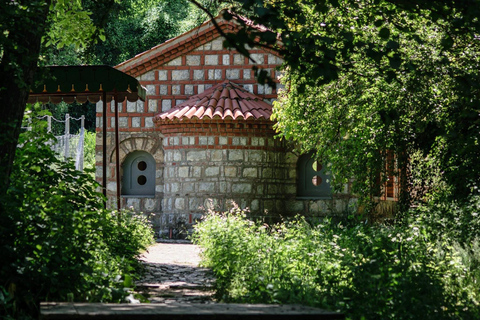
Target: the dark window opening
pixel 313 178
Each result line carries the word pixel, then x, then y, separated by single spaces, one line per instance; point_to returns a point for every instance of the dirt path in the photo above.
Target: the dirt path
pixel 173 275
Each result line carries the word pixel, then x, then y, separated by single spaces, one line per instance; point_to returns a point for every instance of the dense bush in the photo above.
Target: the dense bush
pixel 404 271
pixel 57 241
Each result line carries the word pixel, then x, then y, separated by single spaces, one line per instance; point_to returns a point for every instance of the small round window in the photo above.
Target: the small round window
pixel 142 180
pixel 316 181
pixel 142 165
pixel 317 166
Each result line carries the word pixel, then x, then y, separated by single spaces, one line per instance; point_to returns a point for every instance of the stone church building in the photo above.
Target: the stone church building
pixel 204 138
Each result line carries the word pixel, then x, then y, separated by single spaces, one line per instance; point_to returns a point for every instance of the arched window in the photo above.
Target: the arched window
pixel 138 174
pixel 313 181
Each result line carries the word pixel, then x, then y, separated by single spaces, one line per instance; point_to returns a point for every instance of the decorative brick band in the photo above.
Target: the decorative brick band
pixel 255 128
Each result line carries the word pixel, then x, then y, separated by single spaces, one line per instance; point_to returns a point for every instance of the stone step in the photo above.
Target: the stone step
pixel 184 311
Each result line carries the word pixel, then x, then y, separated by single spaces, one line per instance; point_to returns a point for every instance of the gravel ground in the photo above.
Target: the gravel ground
pixel 183 254
pixel 173 275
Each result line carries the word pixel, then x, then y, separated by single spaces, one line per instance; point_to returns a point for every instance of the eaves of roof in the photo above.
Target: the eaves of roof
pixel 226 101
pixel 175 47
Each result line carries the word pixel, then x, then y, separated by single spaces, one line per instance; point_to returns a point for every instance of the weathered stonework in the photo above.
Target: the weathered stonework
pixel 201 164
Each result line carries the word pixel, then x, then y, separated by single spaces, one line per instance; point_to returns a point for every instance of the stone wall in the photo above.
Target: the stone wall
pixel 205 163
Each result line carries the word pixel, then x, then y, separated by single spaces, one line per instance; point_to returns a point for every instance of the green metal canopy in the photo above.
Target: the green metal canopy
pixel 82 83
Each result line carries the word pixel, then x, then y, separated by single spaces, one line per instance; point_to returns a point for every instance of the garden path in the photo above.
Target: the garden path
pixel 173 275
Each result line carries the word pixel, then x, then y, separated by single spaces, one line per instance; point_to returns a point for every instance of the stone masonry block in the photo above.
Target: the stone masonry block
pixel 198 74
pixel 151 204
pixel 255 206
pixel 233 74
pixel 250 173
pixel 188 187
pixel 163 89
pixel 162 75
pixel 148 122
pixel 188 89
pixel 180 75
pixel 267 173
pixel 222 140
pixel 179 203
pixel 177 155
pixel 211 60
pixel 176 89
pixel 217 44
pixel 238 59
pixel 258 58
pixel 152 105
pixel 149 76
pixel 212 171
pixel 206 187
pixel 242 188
pixel 174 187
pixel 226 59
pixel 136 122
pixel 183 172
pixel 196 156
pixel 230 171
pixel 197 172
pixel 122 122
pixel 150 89
pixel 140 106
pixel 193 60
pixel 131 106
pixel 166 105
pixel 194 204
pixel 216 155
pixel 247 74
pixel 235 155
pixel 175 62
pixel 255 156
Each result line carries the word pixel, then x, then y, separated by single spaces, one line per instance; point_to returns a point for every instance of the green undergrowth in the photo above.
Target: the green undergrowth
pixel 411 270
pixel 57 241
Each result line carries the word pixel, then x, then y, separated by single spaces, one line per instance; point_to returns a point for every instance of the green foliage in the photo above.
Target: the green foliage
pixel 363 77
pixel 89 152
pixel 368 272
pixel 58 243
pixel 131 27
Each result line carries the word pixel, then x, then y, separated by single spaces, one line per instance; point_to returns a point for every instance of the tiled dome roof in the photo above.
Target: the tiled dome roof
pixel 226 100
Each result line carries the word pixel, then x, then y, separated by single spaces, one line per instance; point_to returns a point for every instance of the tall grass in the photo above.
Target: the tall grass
pixel 404 271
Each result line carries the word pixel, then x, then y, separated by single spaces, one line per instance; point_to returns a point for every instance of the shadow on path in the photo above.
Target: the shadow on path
pixel 170 283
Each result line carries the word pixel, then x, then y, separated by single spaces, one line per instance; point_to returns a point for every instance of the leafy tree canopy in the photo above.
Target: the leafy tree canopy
pixel 131 27
pixel 364 77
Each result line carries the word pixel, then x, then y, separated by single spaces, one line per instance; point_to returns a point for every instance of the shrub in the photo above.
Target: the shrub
pixel 58 243
pixel 367 272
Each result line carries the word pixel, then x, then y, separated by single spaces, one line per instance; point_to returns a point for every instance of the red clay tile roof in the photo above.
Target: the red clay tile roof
pixel 226 100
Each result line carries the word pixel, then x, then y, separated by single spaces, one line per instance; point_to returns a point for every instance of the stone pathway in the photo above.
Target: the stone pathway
pixel 173 275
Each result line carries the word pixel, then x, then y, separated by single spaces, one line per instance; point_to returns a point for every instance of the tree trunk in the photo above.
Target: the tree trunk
pixel 17 70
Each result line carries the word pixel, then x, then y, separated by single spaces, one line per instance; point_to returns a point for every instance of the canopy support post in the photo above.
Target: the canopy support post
pixel 117 153
pixel 104 145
